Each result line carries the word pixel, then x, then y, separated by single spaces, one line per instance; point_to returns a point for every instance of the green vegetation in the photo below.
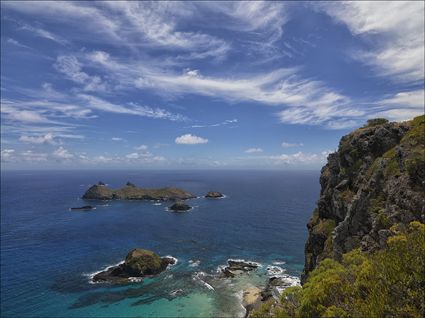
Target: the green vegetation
pixel 376 122
pixel 325 226
pixel 388 283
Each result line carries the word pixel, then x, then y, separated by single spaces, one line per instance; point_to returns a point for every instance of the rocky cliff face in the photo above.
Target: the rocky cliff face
pixel 374 180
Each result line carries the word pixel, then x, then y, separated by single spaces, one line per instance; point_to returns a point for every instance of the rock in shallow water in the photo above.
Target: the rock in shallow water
pixel 180 206
pixel 139 263
pixel 238 266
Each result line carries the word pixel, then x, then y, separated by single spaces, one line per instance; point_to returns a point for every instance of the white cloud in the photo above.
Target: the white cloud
pixel 289 145
pixel 408 99
pixel 62 153
pixel 131 109
pixel 300 158
pixel 141 147
pixel 223 123
pixel 401 106
pixel 330 116
pixel 31 156
pixel 17 43
pixel 7 154
pixel 72 69
pixel 189 139
pixel 132 24
pixel 398 53
pixel 13 113
pixel 43 139
pixel 133 155
pixel 254 150
pixel 117 139
pixel 43 34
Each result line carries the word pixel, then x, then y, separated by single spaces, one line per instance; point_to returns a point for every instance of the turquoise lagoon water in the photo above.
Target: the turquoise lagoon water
pixel 48 252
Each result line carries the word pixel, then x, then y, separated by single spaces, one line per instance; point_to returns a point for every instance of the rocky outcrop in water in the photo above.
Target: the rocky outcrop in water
pixel 214 195
pixel 235 267
pixel 374 180
pixel 131 192
pixel 180 206
pixel 139 263
pixel 83 208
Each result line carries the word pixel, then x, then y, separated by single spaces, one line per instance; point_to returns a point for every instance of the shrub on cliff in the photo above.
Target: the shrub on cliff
pixel 387 283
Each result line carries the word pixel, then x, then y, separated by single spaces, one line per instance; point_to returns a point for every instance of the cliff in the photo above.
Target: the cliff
pixel 374 180
pixel 365 253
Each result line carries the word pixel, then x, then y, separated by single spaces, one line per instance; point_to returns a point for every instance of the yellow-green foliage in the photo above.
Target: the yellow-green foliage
pixel 325 226
pixel 265 310
pixel 376 122
pixel 389 283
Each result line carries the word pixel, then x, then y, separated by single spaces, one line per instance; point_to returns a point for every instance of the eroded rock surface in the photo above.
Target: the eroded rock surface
pixel 374 180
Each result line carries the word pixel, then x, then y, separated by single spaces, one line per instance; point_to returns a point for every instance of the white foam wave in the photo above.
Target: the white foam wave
pixel 275 270
pixel 175 260
pixel 193 263
pixel 135 279
pixel 176 292
pixel 91 275
pixel 239 296
pixel 198 277
pixel 279 263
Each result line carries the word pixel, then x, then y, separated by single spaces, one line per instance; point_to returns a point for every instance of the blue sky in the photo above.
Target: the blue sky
pixel 187 85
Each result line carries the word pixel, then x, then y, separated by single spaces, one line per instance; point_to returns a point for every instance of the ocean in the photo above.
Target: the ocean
pixel 48 253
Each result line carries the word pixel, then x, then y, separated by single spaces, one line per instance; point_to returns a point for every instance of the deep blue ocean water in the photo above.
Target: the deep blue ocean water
pixel 49 252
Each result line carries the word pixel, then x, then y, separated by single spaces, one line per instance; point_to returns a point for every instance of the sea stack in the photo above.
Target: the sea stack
pixel 180 206
pixel 214 195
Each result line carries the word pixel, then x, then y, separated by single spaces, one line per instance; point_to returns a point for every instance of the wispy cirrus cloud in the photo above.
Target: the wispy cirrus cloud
pixel 223 123
pixel 40 32
pixel 398 52
pixel 130 109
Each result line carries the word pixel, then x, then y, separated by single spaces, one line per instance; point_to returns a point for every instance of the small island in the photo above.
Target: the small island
pixel 214 195
pixel 180 206
pixel 139 263
pixel 83 208
pixel 131 192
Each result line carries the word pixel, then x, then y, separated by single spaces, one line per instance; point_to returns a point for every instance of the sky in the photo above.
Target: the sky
pixel 201 85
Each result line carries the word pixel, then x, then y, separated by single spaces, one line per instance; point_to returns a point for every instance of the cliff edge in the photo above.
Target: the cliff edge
pixel 374 181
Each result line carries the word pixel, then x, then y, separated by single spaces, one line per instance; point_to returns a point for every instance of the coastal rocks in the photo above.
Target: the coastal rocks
pixel 180 206
pixel 131 192
pixel 276 285
pixel 138 263
pixel 235 267
pixel 83 208
pixel 214 195
pixel 374 181
pixel 251 299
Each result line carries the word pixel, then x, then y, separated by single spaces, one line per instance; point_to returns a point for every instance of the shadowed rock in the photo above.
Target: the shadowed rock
pixel 84 208
pixel 214 195
pixel 180 206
